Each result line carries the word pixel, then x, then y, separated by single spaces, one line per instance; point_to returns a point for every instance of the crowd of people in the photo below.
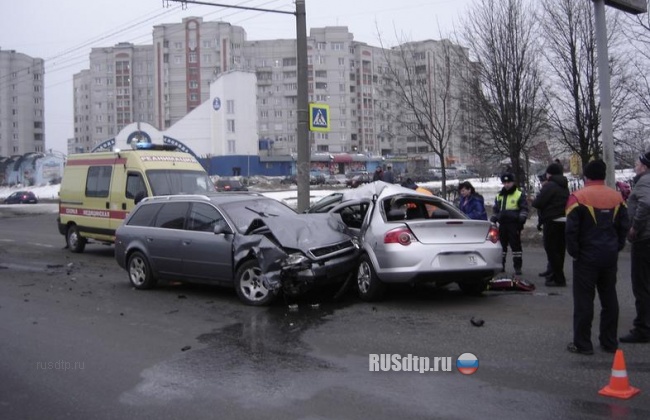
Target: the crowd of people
pixel 592 225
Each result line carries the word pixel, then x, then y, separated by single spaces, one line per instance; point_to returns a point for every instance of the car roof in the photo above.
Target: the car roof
pixel 382 190
pixel 216 197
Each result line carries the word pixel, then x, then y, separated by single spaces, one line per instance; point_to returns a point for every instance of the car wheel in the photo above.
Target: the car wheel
pixel 370 288
pixel 139 271
pixel 249 285
pixel 74 240
pixel 474 288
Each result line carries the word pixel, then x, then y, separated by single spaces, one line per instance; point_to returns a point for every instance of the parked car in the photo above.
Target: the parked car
pixel 230 185
pixel 316 178
pixel 358 179
pixel 336 180
pixel 409 237
pixel 253 243
pixel 289 179
pixel 21 197
pixel 462 174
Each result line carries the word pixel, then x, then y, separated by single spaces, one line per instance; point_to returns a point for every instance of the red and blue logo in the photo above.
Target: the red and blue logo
pixel 467 363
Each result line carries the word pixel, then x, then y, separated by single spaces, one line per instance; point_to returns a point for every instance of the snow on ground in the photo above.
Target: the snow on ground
pixel 488 188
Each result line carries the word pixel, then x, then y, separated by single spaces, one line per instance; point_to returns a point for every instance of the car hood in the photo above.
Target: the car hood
pixel 272 239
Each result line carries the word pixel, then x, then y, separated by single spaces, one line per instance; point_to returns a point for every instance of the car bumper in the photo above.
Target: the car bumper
pixel 449 265
pixel 324 272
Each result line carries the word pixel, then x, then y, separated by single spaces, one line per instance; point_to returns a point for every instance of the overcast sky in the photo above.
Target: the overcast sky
pixel 63 31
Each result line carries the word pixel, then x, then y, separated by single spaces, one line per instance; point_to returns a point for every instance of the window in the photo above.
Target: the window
pixel 320 45
pixel 289 61
pixel 172 215
pixel 230 106
pixel 134 185
pixel 232 146
pixel 203 218
pixel 337 46
pixel 145 215
pixel 231 125
pixel 98 181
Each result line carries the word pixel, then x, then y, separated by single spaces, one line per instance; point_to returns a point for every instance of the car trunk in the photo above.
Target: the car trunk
pixel 449 231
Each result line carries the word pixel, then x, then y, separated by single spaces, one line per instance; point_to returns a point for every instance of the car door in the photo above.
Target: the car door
pixel 206 256
pixel 165 238
pixel 353 213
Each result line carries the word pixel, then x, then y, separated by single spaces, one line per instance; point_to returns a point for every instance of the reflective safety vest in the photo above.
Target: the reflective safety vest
pixel 512 200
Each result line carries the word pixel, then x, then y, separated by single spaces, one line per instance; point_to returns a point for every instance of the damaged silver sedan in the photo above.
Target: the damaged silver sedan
pixel 256 244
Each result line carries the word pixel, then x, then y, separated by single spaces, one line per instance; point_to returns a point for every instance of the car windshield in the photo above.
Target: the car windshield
pixel 166 182
pixel 242 213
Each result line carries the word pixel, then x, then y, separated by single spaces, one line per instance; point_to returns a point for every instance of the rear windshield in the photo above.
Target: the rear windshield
pixel 171 182
pixel 242 213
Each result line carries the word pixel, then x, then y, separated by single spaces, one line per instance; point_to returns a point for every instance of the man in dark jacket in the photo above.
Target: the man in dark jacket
pixel 596 227
pixel 550 204
pixel 510 210
pixel 639 234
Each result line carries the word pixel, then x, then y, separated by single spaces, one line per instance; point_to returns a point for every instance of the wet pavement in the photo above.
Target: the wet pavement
pixel 197 352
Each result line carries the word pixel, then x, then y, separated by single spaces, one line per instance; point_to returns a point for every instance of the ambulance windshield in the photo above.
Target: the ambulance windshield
pixel 166 182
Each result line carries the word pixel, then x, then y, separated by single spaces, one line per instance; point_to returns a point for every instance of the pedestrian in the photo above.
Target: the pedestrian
pixel 510 210
pixel 471 203
pixel 596 226
pixel 378 175
pixel 639 235
pixel 551 204
pixel 388 175
pixel 625 189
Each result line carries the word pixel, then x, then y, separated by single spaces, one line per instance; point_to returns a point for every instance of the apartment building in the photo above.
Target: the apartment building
pixel 367 115
pixel 117 90
pixel 188 56
pixel 22 128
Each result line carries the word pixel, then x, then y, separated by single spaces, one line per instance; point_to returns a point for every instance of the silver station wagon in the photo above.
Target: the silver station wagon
pixel 256 244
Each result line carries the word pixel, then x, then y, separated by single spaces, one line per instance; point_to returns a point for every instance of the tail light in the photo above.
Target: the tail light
pixel 401 235
pixel 227 188
pixel 493 234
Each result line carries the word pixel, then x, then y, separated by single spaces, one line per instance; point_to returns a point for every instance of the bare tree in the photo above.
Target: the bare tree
pixel 571 54
pixel 637 30
pixel 425 76
pixel 508 97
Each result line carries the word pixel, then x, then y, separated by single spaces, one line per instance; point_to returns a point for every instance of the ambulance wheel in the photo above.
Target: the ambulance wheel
pixel 74 240
pixel 249 285
pixel 139 271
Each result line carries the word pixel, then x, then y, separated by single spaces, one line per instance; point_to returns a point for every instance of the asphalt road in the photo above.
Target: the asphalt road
pixel 78 342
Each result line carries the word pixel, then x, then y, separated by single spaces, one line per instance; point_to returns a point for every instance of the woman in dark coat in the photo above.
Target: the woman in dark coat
pixel 471 203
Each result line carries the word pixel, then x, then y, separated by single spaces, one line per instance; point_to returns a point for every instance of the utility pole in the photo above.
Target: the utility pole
pixel 302 134
pixel 628 6
pixel 302 177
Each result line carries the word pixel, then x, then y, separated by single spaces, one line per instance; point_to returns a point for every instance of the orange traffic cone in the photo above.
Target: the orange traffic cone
pixel 619 386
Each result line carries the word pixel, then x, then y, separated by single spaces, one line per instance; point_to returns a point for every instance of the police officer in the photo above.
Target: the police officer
pixel 510 210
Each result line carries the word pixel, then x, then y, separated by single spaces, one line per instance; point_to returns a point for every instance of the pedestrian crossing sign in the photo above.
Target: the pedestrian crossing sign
pixel 319 117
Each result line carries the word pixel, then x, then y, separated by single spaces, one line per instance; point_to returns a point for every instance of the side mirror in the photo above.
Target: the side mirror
pixel 222 228
pixel 139 197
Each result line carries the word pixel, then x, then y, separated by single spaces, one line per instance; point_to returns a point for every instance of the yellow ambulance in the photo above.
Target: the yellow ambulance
pixel 99 189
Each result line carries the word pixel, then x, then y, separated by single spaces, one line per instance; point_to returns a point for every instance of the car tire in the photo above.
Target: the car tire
pixel 474 288
pixel 369 287
pixel 139 271
pixel 76 243
pixel 249 285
